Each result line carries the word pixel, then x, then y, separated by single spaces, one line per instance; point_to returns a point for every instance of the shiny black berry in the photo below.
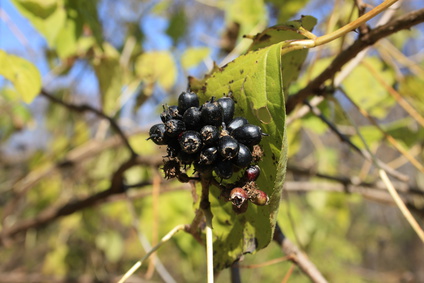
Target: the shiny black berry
pixel 236 123
pixel 208 155
pixel 174 127
pixel 192 118
pixel 187 100
pixel 228 106
pixel 244 156
pixel 224 169
pixel 248 134
pixel 157 134
pixel 170 112
pixel 211 113
pixel 228 147
pixel 190 142
pixel 186 158
pixel 252 173
pixel 210 134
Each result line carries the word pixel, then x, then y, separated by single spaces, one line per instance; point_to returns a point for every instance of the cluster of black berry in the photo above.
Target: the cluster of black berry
pixel 209 138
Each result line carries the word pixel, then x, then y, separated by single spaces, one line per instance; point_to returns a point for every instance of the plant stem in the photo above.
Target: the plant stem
pixel 309 43
pixel 137 265
pixel 206 208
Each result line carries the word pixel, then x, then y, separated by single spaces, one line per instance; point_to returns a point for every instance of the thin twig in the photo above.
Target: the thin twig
pixel 414 224
pixel 388 137
pixel 404 22
pixel 88 108
pixel 346 139
pixel 297 257
pixel 137 265
pixel 401 205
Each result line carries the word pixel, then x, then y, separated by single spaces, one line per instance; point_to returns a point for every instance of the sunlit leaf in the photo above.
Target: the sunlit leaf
pixel 193 56
pixel 255 80
pixel 365 89
pixel 292 61
pixel 288 8
pixel 48 17
pixel 157 66
pixel 23 74
pixel 249 14
pixel 109 76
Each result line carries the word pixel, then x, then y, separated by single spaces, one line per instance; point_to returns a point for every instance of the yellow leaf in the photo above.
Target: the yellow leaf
pixel 193 56
pixel 157 66
pixel 23 74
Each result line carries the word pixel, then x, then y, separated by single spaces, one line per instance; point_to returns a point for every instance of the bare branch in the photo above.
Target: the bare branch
pixel 297 257
pixel 316 85
pixel 51 214
pixel 88 108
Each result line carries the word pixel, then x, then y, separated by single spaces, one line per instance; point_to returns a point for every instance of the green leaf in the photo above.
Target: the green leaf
pixel 193 56
pixel 109 76
pixel 47 16
pixel 367 91
pixel 255 80
pixel 156 66
pixel 249 14
pixel 292 61
pixel 287 8
pixel 23 74
pixel 177 26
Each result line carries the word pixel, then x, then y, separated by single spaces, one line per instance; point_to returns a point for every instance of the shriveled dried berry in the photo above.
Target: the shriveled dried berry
pixel 259 198
pixel 238 196
pixel 228 147
pixel 187 100
pixel 190 142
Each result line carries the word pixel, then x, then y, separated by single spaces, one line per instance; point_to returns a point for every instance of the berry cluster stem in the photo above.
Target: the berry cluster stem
pixel 205 180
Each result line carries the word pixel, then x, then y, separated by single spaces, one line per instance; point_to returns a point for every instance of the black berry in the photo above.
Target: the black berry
pixel 157 134
pixel 228 106
pixel 187 158
pixel 174 127
pixel 248 134
pixel 192 118
pixel 228 147
pixel 169 113
pixel 244 156
pixel 210 134
pixel 208 155
pixel 187 100
pixel 236 123
pixel 224 169
pixel 211 113
pixel 190 142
